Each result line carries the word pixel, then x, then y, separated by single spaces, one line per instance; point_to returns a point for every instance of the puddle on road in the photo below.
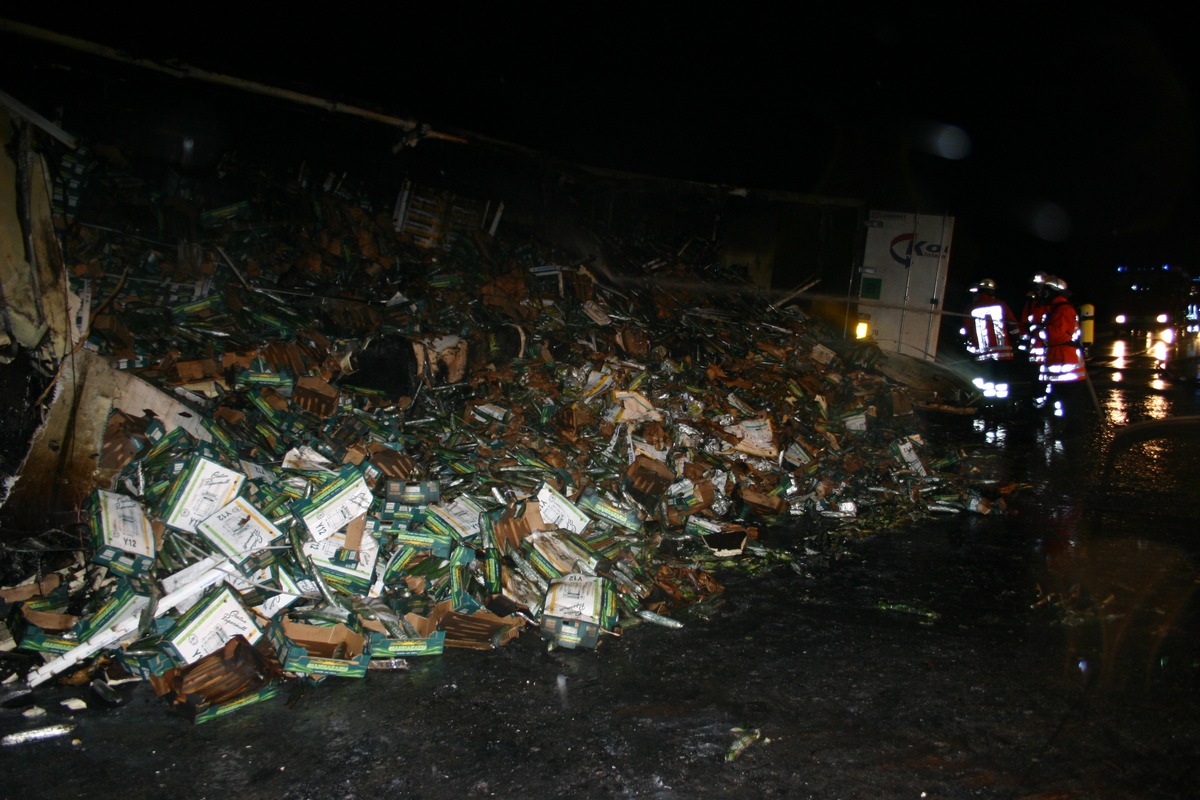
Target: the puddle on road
pixel 1108 560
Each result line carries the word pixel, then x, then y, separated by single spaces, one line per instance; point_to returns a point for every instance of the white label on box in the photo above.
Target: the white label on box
pixel 910 457
pixel 466 513
pixel 125 525
pixel 559 512
pixel 278 602
pixel 339 510
pixel 322 553
pixel 797 455
pixel 223 618
pixel 257 472
pixel 241 583
pixel 209 486
pixel 239 529
pixel 574 596
pixel 490 412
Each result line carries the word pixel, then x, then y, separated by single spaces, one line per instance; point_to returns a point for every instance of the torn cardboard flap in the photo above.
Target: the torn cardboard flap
pixel 200 372
pixel 126 436
pixel 35 588
pixel 49 620
pixel 354 533
pixel 635 407
pixel 517 523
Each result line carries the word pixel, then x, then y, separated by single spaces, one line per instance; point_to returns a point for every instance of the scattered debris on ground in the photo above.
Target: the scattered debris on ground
pixel 337 435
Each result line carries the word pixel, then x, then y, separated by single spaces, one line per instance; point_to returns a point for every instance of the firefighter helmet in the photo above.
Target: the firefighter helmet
pixel 1038 278
pixel 1055 284
pixel 986 285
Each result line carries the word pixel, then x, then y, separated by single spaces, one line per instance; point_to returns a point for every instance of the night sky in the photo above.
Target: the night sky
pixel 1062 136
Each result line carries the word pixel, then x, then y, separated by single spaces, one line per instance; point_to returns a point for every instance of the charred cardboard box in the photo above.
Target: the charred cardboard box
pixel 647 479
pixel 316 395
pixel 237 675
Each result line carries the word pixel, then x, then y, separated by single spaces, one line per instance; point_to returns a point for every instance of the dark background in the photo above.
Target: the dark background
pixel 1062 137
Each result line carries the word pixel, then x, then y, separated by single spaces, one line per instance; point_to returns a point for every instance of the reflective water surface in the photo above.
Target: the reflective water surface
pixel 1113 522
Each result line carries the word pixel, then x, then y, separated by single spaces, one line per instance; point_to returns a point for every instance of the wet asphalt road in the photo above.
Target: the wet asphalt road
pixel 1052 653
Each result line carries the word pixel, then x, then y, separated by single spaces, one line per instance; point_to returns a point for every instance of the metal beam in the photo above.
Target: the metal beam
pixel 186 71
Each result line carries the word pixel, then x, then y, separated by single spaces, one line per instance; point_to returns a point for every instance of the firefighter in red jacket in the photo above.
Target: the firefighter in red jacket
pixel 1063 372
pixel 990 332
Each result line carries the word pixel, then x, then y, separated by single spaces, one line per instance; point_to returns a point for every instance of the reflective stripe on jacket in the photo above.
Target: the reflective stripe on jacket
pixel 988 338
pixel 1033 317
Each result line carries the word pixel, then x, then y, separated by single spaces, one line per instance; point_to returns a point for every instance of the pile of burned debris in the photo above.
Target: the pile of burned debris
pixel 335 434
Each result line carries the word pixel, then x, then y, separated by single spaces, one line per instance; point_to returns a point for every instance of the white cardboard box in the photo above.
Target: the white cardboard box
pixel 208 625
